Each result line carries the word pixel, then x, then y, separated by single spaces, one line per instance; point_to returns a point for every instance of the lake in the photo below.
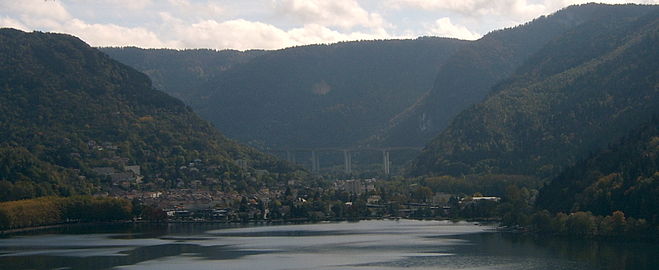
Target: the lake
pixel 378 244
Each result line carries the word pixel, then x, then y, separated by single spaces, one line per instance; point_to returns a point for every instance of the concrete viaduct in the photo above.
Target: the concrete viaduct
pixel 347 155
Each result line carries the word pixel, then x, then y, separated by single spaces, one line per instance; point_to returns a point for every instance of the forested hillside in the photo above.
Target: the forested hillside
pixel 580 92
pixel 624 177
pixel 72 120
pixel 308 96
pixel 469 75
pixel 181 73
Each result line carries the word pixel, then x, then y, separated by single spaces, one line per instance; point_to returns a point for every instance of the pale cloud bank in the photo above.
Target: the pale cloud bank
pixel 175 28
pixel 342 13
pixel 268 24
pixel 517 10
pixel 445 28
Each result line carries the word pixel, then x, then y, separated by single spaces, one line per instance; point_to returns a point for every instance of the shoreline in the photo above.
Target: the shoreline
pixel 478 222
pixel 10 232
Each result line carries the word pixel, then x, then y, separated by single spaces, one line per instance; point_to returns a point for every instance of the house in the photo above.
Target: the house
pixel 355 186
pixel 484 198
pixel 373 199
pixel 133 168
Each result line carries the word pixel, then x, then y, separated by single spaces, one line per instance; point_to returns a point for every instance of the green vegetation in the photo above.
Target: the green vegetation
pixel 581 92
pixel 585 224
pixel 492 185
pixel 624 177
pixel 57 210
pixel 468 76
pixel 370 92
pixel 24 176
pixel 66 109
pixel 573 97
pixel 613 193
pixel 181 73
pixel 561 89
pixel 309 96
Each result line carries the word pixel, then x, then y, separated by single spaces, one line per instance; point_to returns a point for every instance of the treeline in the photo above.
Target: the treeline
pixel 613 193
pixel 517 210
pixel 84 110
pixel 181 73
pixel 57 210
pixel 23 176
pixel 468 75
pixel 318 95
pixel 574 96
pixel 623 177
pixel 490 184
pixel 589 225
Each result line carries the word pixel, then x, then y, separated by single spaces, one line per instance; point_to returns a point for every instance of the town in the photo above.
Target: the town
pixel 351 199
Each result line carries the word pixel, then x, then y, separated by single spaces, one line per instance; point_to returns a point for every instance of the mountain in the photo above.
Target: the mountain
pixel 624 177
pixel 583 90
pixel 181 73
pixel 308 96
pixel 72 120
pixel 467 77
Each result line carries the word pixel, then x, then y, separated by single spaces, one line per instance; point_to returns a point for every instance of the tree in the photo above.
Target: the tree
pixel 542 221
pixel 422 194
pixel 4 220
pixel 580 223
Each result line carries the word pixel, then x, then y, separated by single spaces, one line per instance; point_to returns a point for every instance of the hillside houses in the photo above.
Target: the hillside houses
pixel 129 176
pixel 355 186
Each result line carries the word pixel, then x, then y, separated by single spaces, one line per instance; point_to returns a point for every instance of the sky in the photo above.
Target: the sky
pixel 270 24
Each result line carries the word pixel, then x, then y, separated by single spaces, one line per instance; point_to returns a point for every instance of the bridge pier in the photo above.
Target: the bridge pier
pixel 315 163
pixel 347 155
pixel 347 160
pixel 290 157
pixel 385 162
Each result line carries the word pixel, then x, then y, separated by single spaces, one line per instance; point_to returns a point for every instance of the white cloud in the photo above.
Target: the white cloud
pixel 238 34
pixel 113 35
pixel 186 8
pixel 242 35
pixel 11 23
pixel 53 16
pixel 477 8
pixel 52 10
pixel 445 28
pixel 342 13
pixel 268 24
pixel 488 15
pixel 126 4
pixel 318 34
pixel 177 30
pixel 525 9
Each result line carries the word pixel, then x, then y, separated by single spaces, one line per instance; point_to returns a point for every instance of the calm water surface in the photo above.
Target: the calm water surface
pixel 403 244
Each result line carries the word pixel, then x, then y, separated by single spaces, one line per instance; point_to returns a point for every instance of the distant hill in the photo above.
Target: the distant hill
pixel 308 96
pixel 181 73
pixel 468 76
pixel 72 119
pixel 623 177
pixel 581 91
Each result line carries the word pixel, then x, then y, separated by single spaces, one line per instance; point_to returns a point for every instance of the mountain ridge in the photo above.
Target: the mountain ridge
pixel 543 119
pixel 68 109
pixel 469 75
pixel 337 94
pixel 622 177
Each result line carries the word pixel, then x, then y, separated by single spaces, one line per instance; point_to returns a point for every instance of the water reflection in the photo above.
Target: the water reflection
pixel 365 245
